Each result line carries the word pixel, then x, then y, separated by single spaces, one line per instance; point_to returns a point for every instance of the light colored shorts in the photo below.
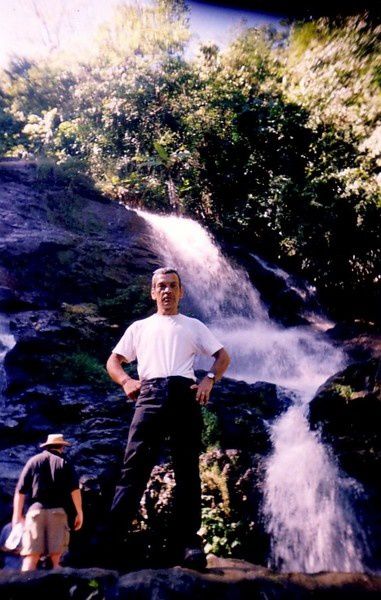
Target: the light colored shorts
pixel 46 531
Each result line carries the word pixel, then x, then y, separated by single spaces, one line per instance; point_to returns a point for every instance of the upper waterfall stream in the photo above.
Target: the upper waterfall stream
pixel 307 508
pixel 7 341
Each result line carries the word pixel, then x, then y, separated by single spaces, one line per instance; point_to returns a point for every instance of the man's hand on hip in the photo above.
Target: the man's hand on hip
pixel 132 388
pixel 78 522
pixel 204 389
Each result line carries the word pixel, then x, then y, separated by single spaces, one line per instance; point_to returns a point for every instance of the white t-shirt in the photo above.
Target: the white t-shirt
pixel 166 345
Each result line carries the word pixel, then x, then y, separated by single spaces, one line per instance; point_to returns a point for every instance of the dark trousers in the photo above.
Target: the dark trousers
pixel 165 406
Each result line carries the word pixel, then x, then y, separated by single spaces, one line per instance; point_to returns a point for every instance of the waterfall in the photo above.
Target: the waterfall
pixel 7 341
pixel 307 501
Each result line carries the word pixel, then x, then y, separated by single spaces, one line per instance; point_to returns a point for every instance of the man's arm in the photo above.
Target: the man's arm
pixel 204 388
pixel 221 363
pixel 77 501
pixel 18 507
pixel 114 368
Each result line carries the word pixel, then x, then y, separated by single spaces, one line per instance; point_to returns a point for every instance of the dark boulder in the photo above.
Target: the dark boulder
pixel 347 409
pixel 243 411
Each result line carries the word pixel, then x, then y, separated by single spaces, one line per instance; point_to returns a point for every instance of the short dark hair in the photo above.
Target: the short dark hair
pixel 165 271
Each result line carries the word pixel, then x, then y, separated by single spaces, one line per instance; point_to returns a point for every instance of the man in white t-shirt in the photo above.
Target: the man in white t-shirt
pixel 168 401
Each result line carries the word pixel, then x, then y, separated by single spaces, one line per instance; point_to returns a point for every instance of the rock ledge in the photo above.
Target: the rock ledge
pixel 225 579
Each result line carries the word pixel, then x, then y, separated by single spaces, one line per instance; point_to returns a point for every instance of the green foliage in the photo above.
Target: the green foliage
pixel 155 31
pixel 37 87
pixel 211 432
pixel 82 368
pixel 222 535
pixel 345 391
pixel 224 528
pixel 331 68
pixel 10 128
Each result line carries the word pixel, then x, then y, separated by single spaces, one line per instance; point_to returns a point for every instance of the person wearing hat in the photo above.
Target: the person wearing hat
pixel 168 400
pixel 50 484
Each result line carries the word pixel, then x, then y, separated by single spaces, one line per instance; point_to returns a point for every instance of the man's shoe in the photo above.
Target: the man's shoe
pixel 194 558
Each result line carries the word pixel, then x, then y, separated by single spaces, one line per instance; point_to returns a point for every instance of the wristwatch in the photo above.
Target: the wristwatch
pixel 211 376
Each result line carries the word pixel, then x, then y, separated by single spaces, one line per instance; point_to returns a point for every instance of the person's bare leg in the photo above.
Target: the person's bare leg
pixel 30 562
pixel 55 558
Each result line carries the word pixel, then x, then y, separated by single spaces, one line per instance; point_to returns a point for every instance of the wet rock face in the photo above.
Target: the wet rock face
pixel 289 300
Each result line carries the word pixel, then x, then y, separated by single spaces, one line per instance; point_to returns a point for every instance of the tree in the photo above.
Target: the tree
pixel 153 32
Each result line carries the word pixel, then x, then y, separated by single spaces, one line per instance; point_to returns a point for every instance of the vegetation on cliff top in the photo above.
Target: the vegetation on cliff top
pixel 276 137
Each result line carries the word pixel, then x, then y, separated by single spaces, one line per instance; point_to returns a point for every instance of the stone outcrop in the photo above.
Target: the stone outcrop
pixel 59 247
pixel 223 579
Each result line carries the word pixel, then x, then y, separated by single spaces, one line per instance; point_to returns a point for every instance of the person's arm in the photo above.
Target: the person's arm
pixel 77 501
pixel 114 368
pixel 204 388
pixel 18 507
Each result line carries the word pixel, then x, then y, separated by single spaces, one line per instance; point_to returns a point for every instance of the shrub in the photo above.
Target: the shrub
pixel 82 368
pixel 224 530
pixel 211 432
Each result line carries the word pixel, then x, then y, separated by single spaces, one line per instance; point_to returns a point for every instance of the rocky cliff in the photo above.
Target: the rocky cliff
pixel 74 271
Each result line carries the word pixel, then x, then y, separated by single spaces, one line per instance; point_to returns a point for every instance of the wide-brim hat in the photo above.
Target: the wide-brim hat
pixel 55 439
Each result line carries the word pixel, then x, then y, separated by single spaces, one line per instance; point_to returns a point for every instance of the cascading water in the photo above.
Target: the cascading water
pixel 307 508
pixel 222 295
pixel 7 341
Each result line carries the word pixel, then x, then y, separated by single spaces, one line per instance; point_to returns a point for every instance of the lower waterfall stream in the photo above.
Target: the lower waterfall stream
pixel 307 508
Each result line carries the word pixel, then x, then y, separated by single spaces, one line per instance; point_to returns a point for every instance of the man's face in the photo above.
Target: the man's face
pixel 167 293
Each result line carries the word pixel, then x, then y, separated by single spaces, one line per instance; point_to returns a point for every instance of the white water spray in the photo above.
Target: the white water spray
pixel 306 501
pixel 214 286
pixel 7 341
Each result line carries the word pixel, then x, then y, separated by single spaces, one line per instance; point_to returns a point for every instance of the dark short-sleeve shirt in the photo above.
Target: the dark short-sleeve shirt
pixel 48 478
